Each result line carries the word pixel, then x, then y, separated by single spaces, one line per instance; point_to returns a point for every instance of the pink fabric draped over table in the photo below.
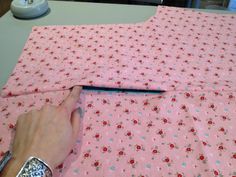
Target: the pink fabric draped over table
pixel 186 131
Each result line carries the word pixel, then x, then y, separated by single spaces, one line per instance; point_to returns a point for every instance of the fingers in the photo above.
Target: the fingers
pixel 70 102
pixel 75 122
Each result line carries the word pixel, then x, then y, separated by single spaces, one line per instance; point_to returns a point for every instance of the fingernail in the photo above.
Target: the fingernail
pixel 76 90
pixel 80 112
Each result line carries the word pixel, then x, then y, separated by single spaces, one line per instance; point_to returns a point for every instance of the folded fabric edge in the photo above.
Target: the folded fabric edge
pixel 199 11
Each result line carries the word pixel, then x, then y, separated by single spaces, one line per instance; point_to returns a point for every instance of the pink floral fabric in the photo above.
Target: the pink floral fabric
pixel 186 131
pixel 171 134
pixel 176 49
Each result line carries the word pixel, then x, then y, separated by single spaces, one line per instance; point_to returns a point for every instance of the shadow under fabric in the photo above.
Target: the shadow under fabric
pixel 188 130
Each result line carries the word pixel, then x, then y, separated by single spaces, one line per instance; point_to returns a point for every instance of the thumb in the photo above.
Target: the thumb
pixel 75 122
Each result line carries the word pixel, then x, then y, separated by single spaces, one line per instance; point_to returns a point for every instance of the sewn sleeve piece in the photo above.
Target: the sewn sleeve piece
pixel 176 49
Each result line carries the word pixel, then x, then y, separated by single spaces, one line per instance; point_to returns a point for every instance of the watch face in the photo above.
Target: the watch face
pixel 35 167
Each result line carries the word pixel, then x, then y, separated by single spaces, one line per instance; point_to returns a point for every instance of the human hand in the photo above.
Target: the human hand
pixel 48 134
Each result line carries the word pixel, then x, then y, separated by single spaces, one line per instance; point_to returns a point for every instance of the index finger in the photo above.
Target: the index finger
pixel 70 102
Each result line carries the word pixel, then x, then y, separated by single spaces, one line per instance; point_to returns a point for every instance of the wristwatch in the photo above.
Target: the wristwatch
pixel 5 159
pixel 32 167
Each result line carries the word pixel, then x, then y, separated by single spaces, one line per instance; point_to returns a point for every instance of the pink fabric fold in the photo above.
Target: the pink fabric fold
pixel 186 131
pixel 176 49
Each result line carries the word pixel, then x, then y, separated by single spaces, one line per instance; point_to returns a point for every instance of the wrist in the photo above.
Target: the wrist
pixel 30 153
pixel 16 163
pixel 12 168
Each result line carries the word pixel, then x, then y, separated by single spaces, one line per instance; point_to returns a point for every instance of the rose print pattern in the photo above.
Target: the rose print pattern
pixel 186 131
pixel 171 142
pixel 176 49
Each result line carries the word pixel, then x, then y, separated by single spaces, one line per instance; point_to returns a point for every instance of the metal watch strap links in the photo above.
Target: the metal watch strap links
pixel 7 156
pixel 35 167
pixel 32 167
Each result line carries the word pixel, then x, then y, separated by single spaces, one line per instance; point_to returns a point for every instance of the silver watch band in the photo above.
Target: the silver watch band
pixel 35 167
pixel 7 156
